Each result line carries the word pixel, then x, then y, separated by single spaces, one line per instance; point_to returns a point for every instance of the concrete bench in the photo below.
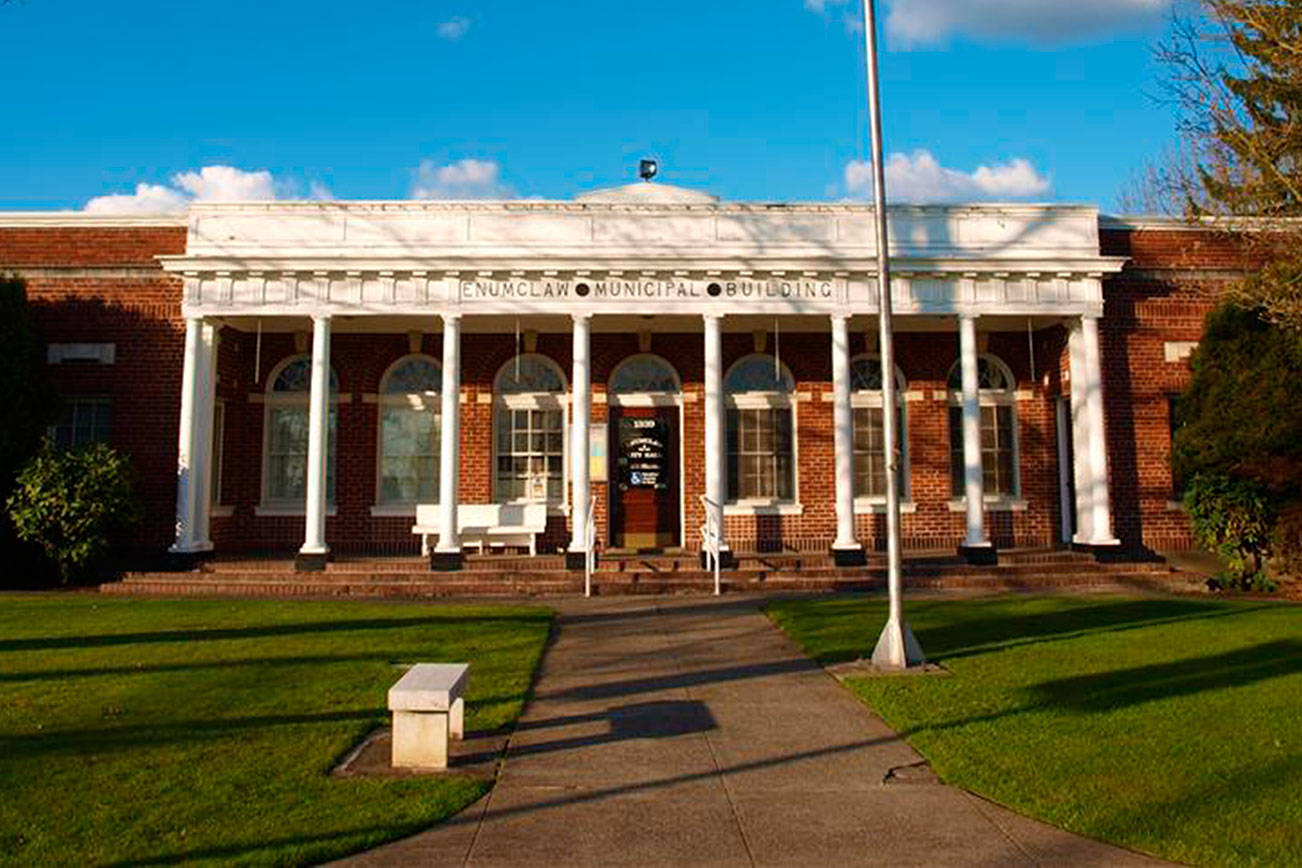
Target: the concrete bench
pixel 516 524
pixel 428 711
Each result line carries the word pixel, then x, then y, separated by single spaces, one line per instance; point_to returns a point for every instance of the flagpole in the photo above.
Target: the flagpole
pixel 897 648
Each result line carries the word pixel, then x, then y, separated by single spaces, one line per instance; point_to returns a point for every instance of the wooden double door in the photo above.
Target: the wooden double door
pixel 645 478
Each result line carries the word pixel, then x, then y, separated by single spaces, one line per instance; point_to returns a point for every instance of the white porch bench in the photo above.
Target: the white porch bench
pixel 497 524
pixel 428 711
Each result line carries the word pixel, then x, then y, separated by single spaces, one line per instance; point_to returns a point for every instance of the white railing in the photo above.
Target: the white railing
pixel 712 538
pixel 590 545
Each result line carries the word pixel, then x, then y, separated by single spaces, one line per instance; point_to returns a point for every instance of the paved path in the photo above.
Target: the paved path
pixel 691 732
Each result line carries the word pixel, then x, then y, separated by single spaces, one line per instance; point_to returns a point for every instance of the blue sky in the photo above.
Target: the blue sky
pixel 749 100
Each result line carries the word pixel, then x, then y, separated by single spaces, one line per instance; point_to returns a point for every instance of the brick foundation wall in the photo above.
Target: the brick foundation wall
pixel 103 284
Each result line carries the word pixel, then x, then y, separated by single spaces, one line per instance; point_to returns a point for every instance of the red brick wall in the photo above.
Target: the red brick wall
pixel 102 284
pixel 1164 294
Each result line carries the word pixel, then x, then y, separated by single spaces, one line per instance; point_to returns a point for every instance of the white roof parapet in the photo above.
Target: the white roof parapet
pixel 540 256
pixel 88 220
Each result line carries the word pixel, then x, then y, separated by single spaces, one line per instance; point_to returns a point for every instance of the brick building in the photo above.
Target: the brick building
pixel 299 377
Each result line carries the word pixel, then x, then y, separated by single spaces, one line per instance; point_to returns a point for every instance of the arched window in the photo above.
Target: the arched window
pixel 644 375
pixel 284 472
pixel 409 431
pixel 761 444
pixel 998 392
pixel 869 452
pixel 529 431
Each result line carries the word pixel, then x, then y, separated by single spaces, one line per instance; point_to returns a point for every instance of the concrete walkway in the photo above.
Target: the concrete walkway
pixel 692 732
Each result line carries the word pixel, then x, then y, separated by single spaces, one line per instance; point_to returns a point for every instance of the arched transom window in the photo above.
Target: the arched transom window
pixel 869 448
pixel 644 375
pixel 529 431
pixel 284 471
pixel 761 443
pixel 998 391
pixel 409 431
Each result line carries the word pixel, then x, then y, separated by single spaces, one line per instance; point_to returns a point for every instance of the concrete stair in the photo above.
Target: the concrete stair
pixel 618 574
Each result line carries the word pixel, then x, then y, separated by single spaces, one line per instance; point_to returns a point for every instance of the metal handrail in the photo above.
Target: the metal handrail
pixel 590 544
pixel 712 539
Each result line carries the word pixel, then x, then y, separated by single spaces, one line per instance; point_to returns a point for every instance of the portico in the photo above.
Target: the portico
pixel 641 357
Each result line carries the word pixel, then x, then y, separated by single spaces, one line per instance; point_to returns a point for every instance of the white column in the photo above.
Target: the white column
pixel 714 418
pixel 314 543
pixel 1093 454
pixel 974 480
pixel 1082 466
pixel 205 449
pixel 189 485
pixel 580 414
pixel 843 435
pixel 450 437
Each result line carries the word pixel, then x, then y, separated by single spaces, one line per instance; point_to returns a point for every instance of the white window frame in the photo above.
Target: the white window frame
pixel 425 401
pixel 535 401
pixel 989 398
pixel 764 401
pixel 272 400
pixel 864 399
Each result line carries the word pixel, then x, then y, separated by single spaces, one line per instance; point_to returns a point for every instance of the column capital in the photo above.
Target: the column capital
pixel 584 317
pixel 713 317
pixel 450 317
pixel 968 315
pixel 322 316
pixel 841 317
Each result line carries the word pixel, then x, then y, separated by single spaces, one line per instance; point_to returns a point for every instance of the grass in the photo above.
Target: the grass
pixel 159 731
pixel 1172 726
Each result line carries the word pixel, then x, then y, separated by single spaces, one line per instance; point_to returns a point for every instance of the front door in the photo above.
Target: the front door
pixel 644 483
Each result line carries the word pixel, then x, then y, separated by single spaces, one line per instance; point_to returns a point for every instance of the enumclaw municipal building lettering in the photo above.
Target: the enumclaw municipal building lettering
pixel 599 290
pixel 330 367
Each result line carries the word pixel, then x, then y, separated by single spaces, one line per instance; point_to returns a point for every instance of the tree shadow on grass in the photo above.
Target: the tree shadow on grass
pixel 102 740
pixel 968 637
pixel 50 643
pixel 1123 688
pixel 345 841
pixel 975 627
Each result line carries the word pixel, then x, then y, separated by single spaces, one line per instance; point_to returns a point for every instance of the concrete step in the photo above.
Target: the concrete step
pixel 469 585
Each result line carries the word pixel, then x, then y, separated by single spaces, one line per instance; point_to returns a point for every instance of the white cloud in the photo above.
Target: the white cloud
pixel 922 22
pixel 464 179
pixel 911 23
pixel 454 28
pixel 148 199
pixel 920 178
pixel 226 184
pixel 209 184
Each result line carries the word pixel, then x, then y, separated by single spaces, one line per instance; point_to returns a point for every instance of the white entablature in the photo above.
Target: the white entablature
pixel 634 255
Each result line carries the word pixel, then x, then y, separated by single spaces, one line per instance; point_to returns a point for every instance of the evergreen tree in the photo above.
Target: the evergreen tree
pixel 1233 72
pixel 1254 118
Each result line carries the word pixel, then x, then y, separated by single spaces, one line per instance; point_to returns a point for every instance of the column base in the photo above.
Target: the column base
pixel 446 562
pixel 185 560
pixel 727 560
pixel 577 562
pixel 311 562
pixel 849 556
pixel 1105 550
pixel 980 556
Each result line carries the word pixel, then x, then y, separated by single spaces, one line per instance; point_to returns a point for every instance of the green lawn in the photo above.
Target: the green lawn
pixel 157 731
pixel 1172 726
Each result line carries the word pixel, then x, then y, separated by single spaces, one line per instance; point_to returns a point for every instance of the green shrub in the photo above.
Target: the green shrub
pixel 72 503
pixel 1235 518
